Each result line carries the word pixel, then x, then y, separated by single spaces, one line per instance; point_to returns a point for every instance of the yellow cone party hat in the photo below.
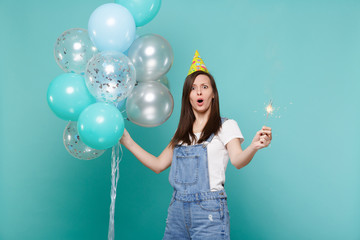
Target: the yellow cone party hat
pixel 197 64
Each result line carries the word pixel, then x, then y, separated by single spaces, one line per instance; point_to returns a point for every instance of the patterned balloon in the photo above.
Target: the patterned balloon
pixel 110 76
pixel 150 104
pixel 73 49
pixel 75 146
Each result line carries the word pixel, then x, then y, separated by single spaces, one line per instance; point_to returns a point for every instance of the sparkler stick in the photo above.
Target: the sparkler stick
pixel 269 110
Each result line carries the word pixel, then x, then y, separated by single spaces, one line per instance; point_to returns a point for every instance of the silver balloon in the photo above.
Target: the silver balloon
pixel 110 76
pixel 150 104
pixel 164 80
pixel 75 146
pixel 152 56
pixel 73 49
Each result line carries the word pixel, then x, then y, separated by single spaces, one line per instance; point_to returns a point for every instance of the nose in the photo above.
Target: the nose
pixel 199 91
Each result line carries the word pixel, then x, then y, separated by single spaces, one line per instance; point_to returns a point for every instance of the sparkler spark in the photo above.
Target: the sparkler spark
pixel 269 109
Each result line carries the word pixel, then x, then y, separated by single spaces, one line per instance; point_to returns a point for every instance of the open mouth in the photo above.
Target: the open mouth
pixel 200 102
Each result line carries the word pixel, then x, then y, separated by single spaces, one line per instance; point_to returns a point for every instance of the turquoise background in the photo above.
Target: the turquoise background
pixel 304 55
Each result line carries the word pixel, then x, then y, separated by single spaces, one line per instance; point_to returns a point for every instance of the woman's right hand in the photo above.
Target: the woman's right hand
pixel 126 138
pixel 157 164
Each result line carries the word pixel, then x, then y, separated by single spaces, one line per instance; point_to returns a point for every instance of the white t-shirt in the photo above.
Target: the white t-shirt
pixel 218 156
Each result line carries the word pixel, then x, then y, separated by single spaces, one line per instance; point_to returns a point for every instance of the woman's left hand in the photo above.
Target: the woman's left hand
pixel 262 138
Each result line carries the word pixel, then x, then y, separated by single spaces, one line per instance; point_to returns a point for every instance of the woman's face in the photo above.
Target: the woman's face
pixel 201 94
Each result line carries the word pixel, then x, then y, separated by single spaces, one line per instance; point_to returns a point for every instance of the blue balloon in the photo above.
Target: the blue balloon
pixel 68 96
pixel 100 125
pixel 143 11
pixel 112 28
pixel 126 52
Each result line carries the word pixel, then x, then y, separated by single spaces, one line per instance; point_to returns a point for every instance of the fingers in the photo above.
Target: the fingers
pixel 264 138
pixel 266 131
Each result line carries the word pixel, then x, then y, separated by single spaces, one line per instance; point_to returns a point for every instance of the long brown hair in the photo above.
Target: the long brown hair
pixel 184 131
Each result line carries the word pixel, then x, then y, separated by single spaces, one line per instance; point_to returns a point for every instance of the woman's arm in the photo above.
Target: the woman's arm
pixel 240 158
pixel 157 164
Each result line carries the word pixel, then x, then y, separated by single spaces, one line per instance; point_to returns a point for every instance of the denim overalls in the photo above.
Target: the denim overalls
pixel 195 212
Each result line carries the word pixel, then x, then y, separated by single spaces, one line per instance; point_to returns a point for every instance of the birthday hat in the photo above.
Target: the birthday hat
pixel 197 64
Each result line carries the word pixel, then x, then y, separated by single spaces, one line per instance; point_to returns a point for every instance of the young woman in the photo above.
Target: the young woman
pixel 198 155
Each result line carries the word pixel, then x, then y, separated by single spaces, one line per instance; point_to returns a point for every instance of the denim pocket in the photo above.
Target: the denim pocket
pixel 212 205
pixel 187 168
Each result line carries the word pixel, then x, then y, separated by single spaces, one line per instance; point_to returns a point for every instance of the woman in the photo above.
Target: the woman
pixel 198 154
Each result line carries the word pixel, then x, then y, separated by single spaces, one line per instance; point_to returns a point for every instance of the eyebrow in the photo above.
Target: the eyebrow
pixel 200 84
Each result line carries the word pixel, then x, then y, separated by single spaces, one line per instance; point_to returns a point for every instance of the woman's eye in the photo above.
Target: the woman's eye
pixel 192 88
pixel 205 86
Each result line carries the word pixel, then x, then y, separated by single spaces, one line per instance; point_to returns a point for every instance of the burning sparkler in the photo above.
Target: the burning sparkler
pixel 269 109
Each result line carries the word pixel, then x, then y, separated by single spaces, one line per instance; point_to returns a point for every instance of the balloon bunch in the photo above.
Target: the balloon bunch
pixel 110 71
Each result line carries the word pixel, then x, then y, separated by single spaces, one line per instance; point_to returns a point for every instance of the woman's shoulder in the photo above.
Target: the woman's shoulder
pixel 228 125
pixel 228 122
pixel 229 130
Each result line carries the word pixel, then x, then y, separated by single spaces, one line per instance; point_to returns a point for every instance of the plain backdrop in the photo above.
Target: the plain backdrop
pixel 304 55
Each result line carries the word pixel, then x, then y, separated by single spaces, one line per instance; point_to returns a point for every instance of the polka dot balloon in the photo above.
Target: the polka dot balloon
pixel 75 146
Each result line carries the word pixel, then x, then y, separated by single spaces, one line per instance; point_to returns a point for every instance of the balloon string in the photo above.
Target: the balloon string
pixel 116 159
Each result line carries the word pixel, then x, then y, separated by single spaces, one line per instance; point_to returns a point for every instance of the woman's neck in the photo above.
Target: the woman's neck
pixel 200 121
